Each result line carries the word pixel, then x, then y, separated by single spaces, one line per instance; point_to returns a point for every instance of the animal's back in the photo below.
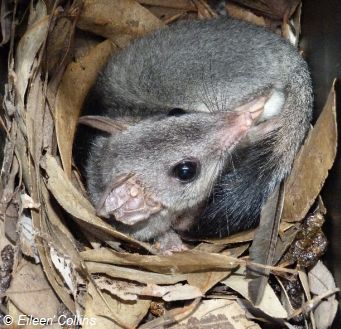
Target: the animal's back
pixel 198 65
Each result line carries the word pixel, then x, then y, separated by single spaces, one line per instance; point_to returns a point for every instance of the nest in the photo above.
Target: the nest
pixel 70 267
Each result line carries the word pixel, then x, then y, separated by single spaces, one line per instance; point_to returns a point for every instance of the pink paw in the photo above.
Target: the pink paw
pixel 169 243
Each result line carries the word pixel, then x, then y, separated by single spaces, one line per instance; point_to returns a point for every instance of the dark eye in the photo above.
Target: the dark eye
pixel 186 170
pixel 176 112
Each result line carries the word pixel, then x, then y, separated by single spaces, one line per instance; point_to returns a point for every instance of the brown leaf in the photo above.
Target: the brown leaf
pixel 130 291
pixel 186 5
pixel 312 164
pixel 58 43
pixel 269 304
pixel 31 292
pixel 167 15
pixel 295 26
pixel 244 14
pixel 27 237
pixel 263 247
pixel 320 281
pixel 5 21
pixel 204 10
pixel 218 314
pixel 235 238
pixel 84 42
pixel 183 262
pixel 129 314
pixel 27 49
pixel 284 242
pixel 8 177
pixel 275 9
pixel 134 274
pixel 118 20
pixel 34 118
pixel 206 280
pixel 234 250
pixel 69 99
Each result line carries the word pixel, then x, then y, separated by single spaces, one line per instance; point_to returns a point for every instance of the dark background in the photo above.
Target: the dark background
pixel 321 42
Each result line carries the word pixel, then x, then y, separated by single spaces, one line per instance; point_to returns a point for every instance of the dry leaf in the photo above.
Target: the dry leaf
pixel 295 23
pixel 262 250
pixel 312 164
pixel 27 237
pixel 35 105
pixel 186 5
pixel 321 281
pixel 130 314
pixel 135 275
pixel 289 34
pixel 27 49
pixel 218 314
pixel 83 43
pixel 118 20
pixel 17 315
pixel 129 291
pixel 275 9
pixel 31 118
pixel 204 10
pixel 66 270
pixel 10 167
pixel 69 100
pixel 244 14
pixel 183 262
pixel 8 200
pixel 284 242
pixel 5 21
pixel 235 238
pixel 31 293
pixel 269 304
pixel 4 241
pixel 167 15
pixel 206 280
pixel 27 202
pixel 234 250
pixel 63 243
pixel 303 277
pixel 59 43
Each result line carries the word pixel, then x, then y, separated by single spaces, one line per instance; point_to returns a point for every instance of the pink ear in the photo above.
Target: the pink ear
pixel 240 121
pixel 254 107
pixel 105 124
pixel 128 201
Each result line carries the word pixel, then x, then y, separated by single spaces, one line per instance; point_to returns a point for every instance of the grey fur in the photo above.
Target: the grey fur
pixel 200 66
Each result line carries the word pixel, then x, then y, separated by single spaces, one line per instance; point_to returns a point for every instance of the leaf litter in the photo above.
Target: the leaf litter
pixel 68 256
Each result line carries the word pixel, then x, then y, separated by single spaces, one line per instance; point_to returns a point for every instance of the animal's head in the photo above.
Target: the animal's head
pixel 162 162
